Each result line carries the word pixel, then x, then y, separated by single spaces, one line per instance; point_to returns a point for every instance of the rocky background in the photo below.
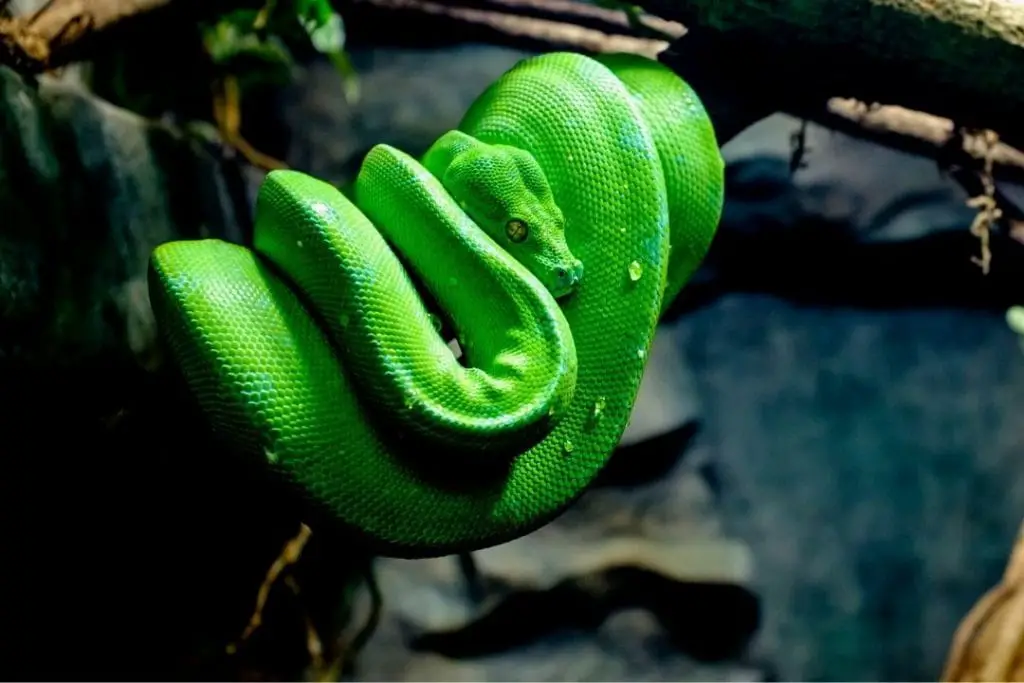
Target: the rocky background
pixel 823 459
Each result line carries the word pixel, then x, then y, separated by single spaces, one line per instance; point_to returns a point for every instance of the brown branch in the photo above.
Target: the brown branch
pixel 581 14
pixel 33 41
pixel 956 59
pixel 290 554
pixel 918 133
pixel 707 58
pixel 965 155
pixel 227 113
pixel 585 39
pixel 528 24
pixel 65 31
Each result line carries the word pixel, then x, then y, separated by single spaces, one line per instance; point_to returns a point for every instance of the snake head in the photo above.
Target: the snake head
pixel 504 190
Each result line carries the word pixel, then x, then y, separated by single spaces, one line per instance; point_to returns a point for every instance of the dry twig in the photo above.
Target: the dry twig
pixel 290 554
pixel 227 112
pixel 988 210
pixel 989 643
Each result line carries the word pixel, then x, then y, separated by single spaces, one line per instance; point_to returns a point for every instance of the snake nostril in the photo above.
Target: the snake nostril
pixel 560 272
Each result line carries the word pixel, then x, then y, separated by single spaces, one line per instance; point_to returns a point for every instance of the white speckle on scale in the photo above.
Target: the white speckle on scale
pixel 568 446
pixel 298 243
pixel 270 455
pixel 323 210
pixel 641 354
pixel 636 271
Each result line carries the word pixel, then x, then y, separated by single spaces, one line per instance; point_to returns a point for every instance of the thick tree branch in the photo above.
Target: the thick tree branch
pixel 65 31
pixel 31 42
pixel 959 59
pixel 746 61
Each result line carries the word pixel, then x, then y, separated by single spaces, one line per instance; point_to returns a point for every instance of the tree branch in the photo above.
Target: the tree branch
pixel 738 57
pixel 528 24
pixel 959 59
pixel 921 134
pixel 65 31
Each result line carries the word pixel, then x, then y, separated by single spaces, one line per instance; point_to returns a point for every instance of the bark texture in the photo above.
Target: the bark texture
pixel 960 59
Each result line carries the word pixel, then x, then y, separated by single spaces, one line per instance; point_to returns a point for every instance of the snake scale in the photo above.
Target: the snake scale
pixel 549 231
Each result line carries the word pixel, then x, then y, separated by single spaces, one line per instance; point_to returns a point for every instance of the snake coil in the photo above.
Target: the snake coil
pixel 573 203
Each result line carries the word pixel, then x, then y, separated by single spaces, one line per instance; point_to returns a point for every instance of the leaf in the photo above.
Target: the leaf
pixel 234 45
pixel 326 31
pixel 328 37
pixel 253 44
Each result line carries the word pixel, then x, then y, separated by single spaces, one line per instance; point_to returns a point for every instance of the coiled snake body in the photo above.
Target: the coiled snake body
pixel 540 230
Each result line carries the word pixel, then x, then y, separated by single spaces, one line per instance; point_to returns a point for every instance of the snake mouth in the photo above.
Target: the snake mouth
pixel 566 279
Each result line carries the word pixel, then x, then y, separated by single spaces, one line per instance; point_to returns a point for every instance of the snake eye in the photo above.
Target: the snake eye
pixel 516 230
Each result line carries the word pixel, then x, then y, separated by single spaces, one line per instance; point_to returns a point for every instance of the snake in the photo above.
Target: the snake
pixel 443 357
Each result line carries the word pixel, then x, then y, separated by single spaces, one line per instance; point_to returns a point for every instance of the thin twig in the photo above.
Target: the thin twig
pixel 227 112
pixel 988 210
pixel 290 554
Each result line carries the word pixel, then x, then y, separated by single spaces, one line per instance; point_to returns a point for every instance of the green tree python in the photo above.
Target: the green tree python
pixel 549 231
